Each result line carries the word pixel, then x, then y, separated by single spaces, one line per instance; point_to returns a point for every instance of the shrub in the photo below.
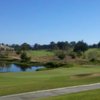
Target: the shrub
pixel 72 55
pixel 24 57
pixel 53 65
pixel 18 52
pixel 92 54
pixel 61 54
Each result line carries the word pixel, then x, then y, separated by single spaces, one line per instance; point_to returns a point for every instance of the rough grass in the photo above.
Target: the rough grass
pixel 11 83
pixel 88 95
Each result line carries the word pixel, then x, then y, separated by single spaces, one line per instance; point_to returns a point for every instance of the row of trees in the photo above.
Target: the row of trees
pixel 52 46
pixel 77 46
pixel 55 46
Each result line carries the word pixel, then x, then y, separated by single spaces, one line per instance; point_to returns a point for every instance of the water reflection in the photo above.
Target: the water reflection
pixel 7 67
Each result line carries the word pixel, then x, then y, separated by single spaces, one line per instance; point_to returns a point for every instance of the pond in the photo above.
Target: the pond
pixel 5 67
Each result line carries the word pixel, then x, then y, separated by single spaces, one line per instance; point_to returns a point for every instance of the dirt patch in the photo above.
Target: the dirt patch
pixel 79 76
pixel 96 74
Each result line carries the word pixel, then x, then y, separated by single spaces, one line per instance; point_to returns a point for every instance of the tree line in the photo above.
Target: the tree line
pixel 77 46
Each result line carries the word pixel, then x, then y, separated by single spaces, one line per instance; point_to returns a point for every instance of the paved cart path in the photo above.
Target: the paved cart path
pixel 51 92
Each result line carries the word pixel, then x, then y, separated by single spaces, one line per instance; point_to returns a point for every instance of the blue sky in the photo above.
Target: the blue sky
pixel 43 21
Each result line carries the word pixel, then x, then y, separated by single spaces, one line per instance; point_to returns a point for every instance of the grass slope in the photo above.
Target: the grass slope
pixel 39 53
pixel 11 83
pixel 88 95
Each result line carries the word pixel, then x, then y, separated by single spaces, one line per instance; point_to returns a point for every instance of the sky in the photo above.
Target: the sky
pixel 43 21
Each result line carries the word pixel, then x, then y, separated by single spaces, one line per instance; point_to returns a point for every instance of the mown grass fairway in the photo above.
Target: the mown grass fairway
pixel 88 95
pixel 11 83
pixel 39 53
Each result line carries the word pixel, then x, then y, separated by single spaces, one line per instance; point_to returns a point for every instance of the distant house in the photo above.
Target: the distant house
pixel 5 48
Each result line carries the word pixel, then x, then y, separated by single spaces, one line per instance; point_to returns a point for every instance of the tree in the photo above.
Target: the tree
pixel 94 46
pixel 25 46
pixel 72 44
pixel 99 45
pixel 24 57
pixel 53 46
pixel 16 47
pixel 63 45
pixel 36 46
pixel 80 47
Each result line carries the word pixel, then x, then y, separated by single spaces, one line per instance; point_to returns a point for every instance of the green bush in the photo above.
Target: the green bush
pixel 61 54
pixel 18 52
pixel 92 54
pixel 24 57
pixel 53 65
pixel 72 55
